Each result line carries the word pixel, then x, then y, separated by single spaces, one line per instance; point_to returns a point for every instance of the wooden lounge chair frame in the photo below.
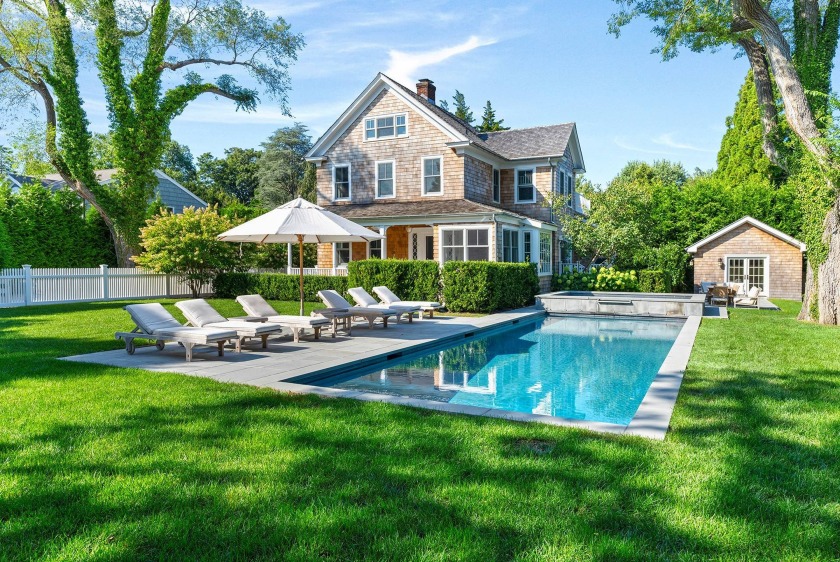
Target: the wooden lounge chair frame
pixel 261 311
pixel 192 337
pixel 360 312
pixel 244 329
pixel 365 300
pixel 388 297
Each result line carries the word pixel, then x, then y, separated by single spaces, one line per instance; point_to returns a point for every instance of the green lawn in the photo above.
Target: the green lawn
pixel 100 463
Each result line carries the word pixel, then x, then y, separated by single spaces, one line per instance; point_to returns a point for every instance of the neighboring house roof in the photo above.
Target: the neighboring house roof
pixel 449 208
pixel 513 144
pixel 108 175
pixel 752 222
pixel 18 181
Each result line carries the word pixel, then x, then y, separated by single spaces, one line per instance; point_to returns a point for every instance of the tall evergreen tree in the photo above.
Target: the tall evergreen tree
pixel 489 122
pixel 462 110
pixel 741 159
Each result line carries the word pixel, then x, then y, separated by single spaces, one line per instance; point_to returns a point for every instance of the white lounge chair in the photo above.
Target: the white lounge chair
pixel 153 322
pixel 364 299
pixel 751 300
pixel 198 312
pixel 333 300
pixel 258 307
pixel 389 298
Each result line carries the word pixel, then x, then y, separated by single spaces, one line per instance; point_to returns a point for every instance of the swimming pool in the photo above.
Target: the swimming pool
pixel 576 367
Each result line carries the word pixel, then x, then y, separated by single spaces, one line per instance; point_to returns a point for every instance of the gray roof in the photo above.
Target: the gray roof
pixel 550 140
pixel 416 208
pixel 513 144
pixel 20 180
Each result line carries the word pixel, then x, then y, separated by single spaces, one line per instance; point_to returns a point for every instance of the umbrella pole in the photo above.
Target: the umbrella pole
pixel 300 262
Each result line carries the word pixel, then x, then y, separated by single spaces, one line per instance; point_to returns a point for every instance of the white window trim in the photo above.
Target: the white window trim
pixel 465 227
pixel 349 181
pixel 368 249
pixel 336 265
pixel 570 188
pixel 765 292
pixel 375 117
pixel 493 185
pixel 376 164
pixel 423 175
pixel 533 171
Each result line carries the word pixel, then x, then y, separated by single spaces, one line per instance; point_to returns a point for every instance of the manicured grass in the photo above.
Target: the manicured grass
pixel 100 463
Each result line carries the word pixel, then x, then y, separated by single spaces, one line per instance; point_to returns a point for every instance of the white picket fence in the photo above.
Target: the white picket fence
pixel 28 285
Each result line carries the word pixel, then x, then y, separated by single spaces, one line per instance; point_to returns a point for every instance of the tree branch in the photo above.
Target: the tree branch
pixel 189 62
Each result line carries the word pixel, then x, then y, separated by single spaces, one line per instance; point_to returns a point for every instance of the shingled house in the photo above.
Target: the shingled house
pixel 173 195
pixel 439 190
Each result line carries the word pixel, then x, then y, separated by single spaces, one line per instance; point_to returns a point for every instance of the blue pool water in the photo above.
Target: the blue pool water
pixel 592 368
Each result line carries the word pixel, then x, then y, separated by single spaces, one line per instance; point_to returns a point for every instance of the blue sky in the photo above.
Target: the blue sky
pixel 538 62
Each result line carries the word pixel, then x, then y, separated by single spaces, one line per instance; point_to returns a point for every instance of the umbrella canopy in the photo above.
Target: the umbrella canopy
pixel 299 222
pixel 287 223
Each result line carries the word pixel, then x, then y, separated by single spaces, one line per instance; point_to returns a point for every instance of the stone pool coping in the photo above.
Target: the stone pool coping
pixel 274 367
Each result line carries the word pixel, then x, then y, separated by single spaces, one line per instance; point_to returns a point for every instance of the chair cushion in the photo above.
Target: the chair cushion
pixel 386 294
pixel 255 305
pixel 298 321
pixel 200 313
pixel 151 317
pixel 362 297
pixel 754 292
pixel 191 333
pixel 333 300
pixel 243 328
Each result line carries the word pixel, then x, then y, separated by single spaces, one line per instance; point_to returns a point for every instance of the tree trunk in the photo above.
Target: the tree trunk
pixel 821 301
pixel 766 98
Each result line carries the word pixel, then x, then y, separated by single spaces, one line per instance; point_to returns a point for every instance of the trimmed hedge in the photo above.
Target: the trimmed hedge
pixel 276 286
pixel 481 286
pixel 654 281
pixel 411 280
pixel 597 279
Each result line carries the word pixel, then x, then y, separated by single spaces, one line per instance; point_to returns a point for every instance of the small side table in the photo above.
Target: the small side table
pixel 336 314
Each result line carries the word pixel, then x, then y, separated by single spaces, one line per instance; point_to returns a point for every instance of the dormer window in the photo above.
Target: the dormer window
pixel 385 127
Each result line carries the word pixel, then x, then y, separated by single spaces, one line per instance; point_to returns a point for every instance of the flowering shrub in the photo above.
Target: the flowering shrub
pixel 597 279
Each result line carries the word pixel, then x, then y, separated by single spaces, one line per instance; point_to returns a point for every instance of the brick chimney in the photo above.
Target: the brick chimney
pixel 426 89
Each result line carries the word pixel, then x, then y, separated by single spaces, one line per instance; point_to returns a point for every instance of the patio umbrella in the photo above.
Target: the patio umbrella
pixel 299 222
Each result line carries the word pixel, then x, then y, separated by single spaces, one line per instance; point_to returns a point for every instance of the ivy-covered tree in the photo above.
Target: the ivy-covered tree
pixel 489 122
pixel 185 245
pixel 136 45
pixel 741 158
pixel 282 169
pixel 178 163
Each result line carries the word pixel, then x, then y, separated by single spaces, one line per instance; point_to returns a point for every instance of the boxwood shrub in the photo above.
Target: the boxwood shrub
pixel 597 279
pixel 481 286
pixel 414 280
pixel 654 281
pixel 276 286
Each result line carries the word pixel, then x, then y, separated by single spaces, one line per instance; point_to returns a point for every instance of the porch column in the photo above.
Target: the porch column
pixel 382 231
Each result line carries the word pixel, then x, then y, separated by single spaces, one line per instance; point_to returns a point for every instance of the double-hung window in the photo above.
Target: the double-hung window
pixel 510 245
pixel 459 244
pixel 341 182
pixel 526 246
pixel 385 126
pixel 432 180
pixel 497 186
pixel 375 249
pixel 342 254
pixel 525 190
pixel 545 253
pixel 385 179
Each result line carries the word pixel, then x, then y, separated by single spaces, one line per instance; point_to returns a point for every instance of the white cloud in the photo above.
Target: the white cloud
pixel 403 67
pixel 667 139
pixel 621 143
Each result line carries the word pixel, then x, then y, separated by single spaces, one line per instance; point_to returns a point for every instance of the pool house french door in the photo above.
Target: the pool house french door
pixel 752 271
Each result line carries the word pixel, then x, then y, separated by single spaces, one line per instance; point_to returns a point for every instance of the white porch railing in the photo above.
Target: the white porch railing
pixel 27 285
pixel 572 266
pixel 334 271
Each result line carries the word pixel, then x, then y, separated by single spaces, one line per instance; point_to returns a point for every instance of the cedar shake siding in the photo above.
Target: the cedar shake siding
pixel 785 267
pixel 422 139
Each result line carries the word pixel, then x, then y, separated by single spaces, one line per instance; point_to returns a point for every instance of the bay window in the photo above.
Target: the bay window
pixel 510 245
pixel 545 253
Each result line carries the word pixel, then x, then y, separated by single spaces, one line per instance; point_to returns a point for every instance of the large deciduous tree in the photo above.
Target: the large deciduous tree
pixel 153 59
pixel 283 172
pixel 802 77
